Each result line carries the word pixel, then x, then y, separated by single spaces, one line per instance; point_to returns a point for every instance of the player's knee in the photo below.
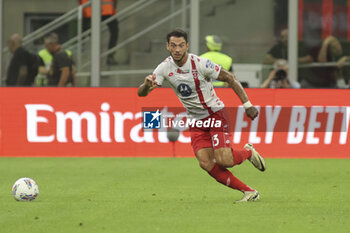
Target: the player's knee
pixel 223 157
pixel 206 165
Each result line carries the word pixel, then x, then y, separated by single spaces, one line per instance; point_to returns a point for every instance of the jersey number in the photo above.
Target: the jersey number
pixel 215 140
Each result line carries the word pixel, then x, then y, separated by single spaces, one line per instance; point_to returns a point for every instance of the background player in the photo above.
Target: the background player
pixel 190 77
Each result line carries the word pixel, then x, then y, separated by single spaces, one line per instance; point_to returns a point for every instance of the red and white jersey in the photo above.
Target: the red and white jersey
pixel 192 83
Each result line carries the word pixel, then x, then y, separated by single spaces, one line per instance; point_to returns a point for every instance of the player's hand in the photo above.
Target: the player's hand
pixel 150 82
pixel 252 112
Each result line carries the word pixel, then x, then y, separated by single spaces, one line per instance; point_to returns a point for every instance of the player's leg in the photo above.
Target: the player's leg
pixel 205 157
pixel 223 157
pixel 221 140
pixel 224 154
pixel 202 146
pixel 228 157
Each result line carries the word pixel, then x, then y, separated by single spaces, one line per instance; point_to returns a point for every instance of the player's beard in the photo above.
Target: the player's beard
pixel 178 60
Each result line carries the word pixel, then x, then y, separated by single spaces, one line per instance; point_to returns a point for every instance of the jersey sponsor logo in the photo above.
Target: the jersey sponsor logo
pixel 217 68
pixel 179 71
pixel 209 64
pixel 170 74
pixel 184 89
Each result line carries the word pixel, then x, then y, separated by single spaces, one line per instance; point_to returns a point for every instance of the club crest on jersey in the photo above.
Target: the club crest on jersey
pixel 184 89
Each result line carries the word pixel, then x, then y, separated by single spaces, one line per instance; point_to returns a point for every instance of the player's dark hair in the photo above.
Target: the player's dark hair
pixel 176 33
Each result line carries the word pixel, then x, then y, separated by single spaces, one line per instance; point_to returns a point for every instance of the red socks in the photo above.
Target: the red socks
pixel 239 156
pixel 225 177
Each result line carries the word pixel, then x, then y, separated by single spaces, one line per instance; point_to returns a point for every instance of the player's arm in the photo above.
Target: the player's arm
pixel 147 86
pixel 234 83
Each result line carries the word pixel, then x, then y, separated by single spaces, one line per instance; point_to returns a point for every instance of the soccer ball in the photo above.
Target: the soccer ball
pixel 25 189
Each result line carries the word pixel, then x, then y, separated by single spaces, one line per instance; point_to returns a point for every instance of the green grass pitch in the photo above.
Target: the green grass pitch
pixel 173 195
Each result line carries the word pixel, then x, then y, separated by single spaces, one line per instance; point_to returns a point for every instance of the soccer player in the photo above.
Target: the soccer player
pixel 190 77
